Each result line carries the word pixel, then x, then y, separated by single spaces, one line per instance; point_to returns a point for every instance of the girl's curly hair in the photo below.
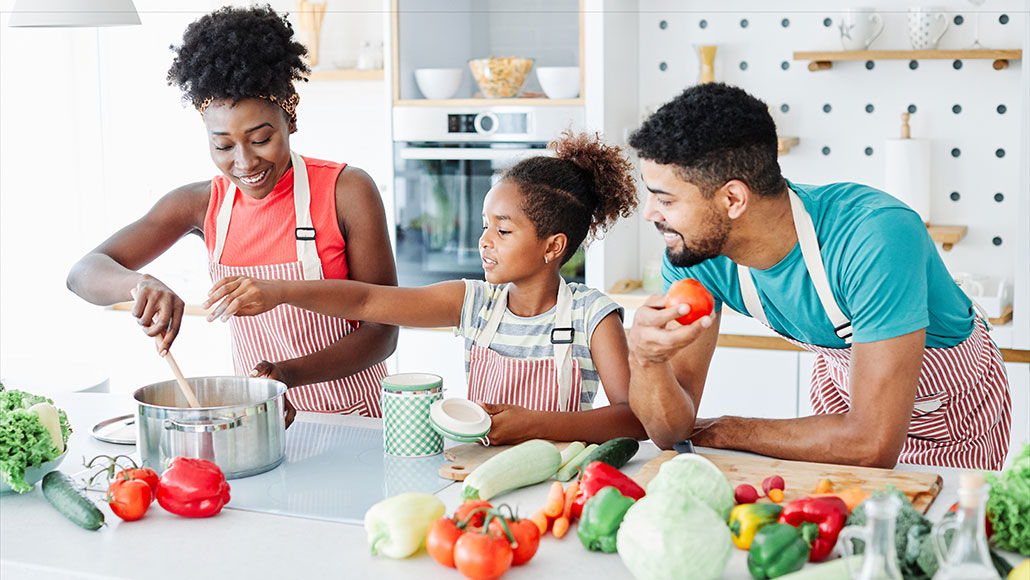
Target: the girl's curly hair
pixel 582 190
pixel 237 53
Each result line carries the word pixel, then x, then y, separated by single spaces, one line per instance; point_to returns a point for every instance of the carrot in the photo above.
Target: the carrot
pixel 555 500
pixel 561 525
pixel 775 495
pixel 851 496
pixel 541 520
pixel 824 486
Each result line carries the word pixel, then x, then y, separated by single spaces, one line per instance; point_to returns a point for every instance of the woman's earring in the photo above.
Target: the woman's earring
pixel 546 260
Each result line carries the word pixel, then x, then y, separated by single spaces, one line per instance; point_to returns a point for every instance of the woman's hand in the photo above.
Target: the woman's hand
pixel 158 310
pixel 509 423
pixel 265 369
pixel 242 296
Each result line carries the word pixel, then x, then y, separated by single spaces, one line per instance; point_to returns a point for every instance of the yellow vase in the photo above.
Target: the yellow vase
pixel 707 63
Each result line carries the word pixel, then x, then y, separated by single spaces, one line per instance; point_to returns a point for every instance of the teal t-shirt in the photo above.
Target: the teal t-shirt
pixel 882 265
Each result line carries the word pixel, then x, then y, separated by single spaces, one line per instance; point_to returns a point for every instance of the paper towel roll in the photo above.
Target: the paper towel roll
pixel 907 173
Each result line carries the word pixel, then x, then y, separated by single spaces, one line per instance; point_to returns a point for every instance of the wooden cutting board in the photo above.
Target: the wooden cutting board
pixel 802 477
pixel 468 456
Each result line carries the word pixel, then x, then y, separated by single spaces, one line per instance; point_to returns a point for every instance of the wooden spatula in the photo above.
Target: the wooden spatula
pixel 187 392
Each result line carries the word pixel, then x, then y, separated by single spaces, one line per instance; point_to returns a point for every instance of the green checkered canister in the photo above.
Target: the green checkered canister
pixel 406 401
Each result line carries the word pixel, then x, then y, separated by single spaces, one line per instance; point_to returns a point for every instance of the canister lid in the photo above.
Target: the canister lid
pixel 412 382
pixel 459 419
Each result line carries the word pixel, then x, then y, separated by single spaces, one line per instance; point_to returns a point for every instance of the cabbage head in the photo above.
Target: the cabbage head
pixel 673 536
pixel 692 474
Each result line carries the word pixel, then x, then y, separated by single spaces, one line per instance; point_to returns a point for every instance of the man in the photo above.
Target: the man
pixel 905 370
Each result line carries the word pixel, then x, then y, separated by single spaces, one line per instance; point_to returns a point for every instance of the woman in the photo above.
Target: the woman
pixel 271 214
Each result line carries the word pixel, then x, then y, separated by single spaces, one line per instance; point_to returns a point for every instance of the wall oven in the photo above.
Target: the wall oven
pixel 445 162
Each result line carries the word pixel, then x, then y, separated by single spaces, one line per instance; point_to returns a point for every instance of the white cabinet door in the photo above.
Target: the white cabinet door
pixel 1019 382
pixel 433 351
pixel 806 360
pixel 751 383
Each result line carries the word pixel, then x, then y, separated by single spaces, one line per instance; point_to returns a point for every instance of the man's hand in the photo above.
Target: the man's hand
pixel 509 423
pixel 656 336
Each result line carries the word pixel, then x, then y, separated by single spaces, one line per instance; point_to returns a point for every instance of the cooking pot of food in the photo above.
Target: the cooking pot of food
pixel 239 425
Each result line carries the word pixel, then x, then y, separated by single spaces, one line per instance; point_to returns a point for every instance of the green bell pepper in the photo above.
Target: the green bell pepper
pixel 601 518
pixel 777 549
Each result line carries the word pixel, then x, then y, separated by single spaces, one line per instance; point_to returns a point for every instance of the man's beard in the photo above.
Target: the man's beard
pixel 705 249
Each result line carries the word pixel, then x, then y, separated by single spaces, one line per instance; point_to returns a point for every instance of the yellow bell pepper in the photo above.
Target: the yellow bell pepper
pixel 747 518
pixel 397 526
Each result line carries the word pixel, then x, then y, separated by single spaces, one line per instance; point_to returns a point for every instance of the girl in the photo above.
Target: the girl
pixel 271 214
pixel 534 345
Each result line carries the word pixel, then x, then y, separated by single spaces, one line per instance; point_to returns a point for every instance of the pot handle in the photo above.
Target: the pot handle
pixel 203 426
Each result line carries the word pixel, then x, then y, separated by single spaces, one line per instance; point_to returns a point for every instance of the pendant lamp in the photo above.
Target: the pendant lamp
pixel 72 13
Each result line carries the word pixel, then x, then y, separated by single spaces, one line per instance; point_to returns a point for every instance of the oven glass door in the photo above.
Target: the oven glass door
pixel 438 200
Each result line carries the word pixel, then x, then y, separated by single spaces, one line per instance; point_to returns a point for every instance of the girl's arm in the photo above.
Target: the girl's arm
pixel 610 353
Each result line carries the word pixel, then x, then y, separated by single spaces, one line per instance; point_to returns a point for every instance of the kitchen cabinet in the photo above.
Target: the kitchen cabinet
pixel 751 383
pixel 1019 382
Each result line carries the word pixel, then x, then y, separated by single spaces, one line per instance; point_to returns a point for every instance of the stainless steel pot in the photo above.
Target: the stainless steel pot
pixel 239 426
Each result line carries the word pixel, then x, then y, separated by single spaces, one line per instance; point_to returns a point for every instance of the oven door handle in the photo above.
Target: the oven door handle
pixel 470 154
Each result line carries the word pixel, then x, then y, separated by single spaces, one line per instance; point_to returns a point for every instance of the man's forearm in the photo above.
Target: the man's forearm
pixel 665 409
pixel 819 438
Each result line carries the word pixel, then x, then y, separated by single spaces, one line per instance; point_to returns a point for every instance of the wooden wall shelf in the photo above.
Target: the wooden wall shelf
pixel 347 74
pixel 519 102
pixel 947 236
pixel 785 143
pixel 822 60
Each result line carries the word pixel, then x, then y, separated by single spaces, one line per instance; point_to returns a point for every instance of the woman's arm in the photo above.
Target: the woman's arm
pixel 108 273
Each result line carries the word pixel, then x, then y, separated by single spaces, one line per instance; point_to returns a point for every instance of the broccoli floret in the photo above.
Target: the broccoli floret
pixel 911 535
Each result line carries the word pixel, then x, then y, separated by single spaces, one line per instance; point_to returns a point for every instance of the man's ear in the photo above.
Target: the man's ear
pixel 736 197
pixel 556 245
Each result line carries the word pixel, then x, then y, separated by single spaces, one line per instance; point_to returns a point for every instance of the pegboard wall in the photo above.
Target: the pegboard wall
pixel 842 116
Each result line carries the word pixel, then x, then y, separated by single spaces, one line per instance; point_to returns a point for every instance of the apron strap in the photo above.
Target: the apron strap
pixel 307 251
pixel 816 271
pixel 561 337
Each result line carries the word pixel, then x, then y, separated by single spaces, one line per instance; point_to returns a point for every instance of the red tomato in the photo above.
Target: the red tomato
pixel 693 294
pixel 129 498
pixel 482 556
pixel 468 507
pixel 145 474
pixel 526 534
pixel 988 526
pixel 440 540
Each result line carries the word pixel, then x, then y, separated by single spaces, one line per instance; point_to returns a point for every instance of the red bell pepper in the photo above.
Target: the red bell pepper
pixel 192 488
pixel 829 514
pixel 599 475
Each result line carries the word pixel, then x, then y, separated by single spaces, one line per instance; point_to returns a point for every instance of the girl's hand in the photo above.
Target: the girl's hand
pixel 241 296
pixel 509 423
pixel 158 310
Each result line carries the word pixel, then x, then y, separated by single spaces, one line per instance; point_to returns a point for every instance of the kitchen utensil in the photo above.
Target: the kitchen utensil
pixel 859 27
pixel 407 398
pixel 119 430
pixel 460 420
pixel 907 168
pixel 464 459
pixel 241 429
pixel 802 477
pixel 191 398
pixel 926 26
pixel 438 83
pixel 559 82
pixel 500 77
pixel 309 20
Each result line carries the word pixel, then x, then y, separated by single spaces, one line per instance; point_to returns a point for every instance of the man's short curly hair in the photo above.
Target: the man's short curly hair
pixel 238 53
pixel 714 133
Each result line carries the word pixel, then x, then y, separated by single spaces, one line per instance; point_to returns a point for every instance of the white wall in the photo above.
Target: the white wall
pixel 86 148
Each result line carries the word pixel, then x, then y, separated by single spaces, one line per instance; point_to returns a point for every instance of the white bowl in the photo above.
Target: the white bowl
pixel 459 420
pixel 34 474
pixel 559 82
pixel 438 83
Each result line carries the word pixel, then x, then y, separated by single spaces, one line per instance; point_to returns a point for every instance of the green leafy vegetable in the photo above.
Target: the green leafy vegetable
pixel 24 440
pixel 693 475
pixel 911 537
pixel 1009 504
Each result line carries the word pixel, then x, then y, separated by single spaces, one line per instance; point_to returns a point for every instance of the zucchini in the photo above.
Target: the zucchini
pixel 525 464
pixel 569 470
pixel 61 492
pixel 616 452
pixel 571 451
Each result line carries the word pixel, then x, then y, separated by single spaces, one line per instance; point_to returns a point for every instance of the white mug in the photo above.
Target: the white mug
pixel 926 26
pixel 859 27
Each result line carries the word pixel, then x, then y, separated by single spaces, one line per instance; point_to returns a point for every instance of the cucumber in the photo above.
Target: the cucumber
pixel 72 503
pixel 616 452
pixel 525 464
pixel 571 451
pixel 569 470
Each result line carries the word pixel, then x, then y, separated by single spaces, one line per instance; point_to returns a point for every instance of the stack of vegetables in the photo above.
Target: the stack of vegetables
pixel 32 432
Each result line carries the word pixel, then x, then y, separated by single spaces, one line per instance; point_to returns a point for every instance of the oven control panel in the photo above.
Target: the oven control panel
pixel 488 123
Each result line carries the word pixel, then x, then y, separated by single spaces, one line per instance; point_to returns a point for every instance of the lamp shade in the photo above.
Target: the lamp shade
pixel 72 13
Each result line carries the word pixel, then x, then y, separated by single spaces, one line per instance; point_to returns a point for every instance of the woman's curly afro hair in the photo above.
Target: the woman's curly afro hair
pixel 714 133
pixel 238 53
pixel 582 190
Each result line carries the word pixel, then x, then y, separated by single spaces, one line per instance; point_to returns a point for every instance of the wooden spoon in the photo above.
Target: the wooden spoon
pixel 187 392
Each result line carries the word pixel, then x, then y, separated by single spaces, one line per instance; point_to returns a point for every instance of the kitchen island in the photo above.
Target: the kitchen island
pixel 38 543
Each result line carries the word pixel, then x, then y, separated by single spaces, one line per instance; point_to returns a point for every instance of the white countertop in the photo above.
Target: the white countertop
pixel 38 543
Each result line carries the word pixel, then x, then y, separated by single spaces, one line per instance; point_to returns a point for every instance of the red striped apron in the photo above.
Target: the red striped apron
pixel 963 409
pixel 287 332
pixel 549 384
